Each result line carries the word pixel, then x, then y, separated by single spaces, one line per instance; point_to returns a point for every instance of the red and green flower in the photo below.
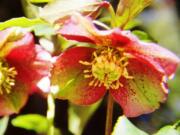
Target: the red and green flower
pixel 22 65
pixel 134 72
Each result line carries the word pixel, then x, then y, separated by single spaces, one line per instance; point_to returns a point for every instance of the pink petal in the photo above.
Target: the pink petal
pixel 82 29
pixel 27 59
pixel 143 93
pixel 68 78
pixel 166 59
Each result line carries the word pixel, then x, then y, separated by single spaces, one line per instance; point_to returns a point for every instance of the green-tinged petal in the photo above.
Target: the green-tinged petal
pixel 61 9
pixel 68 80
pixel 143 93
pixel 14 101
pixel 163 57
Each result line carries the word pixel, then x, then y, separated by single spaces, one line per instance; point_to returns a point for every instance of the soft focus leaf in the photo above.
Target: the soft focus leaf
pixel 124 127
pixel 21 22
pixel 79 116
pixel 30 10
pixel 142 35
pixel 132 24
pixel 128 9
pixel 57 131
pixel 170 129
pixel 33 122
pixel 39 26
pixel 60 9
pixel 167 130
pixel 3 125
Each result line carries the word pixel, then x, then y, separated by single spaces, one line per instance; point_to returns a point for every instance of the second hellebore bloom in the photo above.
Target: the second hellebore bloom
pixel 22 66
pixel 134 72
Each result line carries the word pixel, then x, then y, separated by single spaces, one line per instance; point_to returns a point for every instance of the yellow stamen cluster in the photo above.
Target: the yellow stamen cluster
pixel 7 78
pixel 106 68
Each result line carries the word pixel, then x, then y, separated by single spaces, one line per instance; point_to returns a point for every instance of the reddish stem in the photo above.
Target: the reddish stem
pixel 109 115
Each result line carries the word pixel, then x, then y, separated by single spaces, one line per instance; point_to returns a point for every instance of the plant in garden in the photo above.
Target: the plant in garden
pixel 134 72
pixel 104 57
pixel 22 65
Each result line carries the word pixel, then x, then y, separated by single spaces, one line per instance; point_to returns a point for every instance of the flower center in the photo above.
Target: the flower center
pixel 106 68
pixel 7 77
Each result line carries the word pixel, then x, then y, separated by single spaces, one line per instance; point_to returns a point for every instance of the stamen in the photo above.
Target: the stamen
pixel 7 78
pixel 108 65
pixel 85 63
pixel 87 71
pixel 88 76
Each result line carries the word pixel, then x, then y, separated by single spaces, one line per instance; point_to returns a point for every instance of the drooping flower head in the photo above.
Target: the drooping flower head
pixel 21 68
pixel 134 72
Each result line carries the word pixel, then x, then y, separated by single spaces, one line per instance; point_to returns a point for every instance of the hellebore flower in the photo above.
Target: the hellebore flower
pixel 22 66
pixel 134 72
pixel 56 11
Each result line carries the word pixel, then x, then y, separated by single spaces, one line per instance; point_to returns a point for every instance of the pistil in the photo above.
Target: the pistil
pixel 108 65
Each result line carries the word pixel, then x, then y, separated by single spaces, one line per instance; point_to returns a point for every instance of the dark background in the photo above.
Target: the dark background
pixel 36 104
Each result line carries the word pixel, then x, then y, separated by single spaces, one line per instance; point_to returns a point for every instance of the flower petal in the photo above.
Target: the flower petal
pixel 68 80
pixel 27 59
pixel 82 29
pixel 166 59
pixel 60 10
pixel 13 102
pixel 144 92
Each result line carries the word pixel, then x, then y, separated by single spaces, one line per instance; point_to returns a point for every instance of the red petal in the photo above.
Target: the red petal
pixel 166 59
pixel 28 61
pixel 82 29
pixel 68 77
pixel 74 30
pixel 13 102
pixel 144 92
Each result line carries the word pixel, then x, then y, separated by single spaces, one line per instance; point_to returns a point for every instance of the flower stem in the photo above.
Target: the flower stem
pixel 109 115
pixel 50 114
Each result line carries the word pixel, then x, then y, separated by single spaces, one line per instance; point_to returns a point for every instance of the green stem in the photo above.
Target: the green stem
pixel 113 17
pixel 50 114
pixel 109 115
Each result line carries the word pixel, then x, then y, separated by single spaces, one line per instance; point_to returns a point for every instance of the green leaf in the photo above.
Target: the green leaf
pixel 128 9
pixel 170 129
pixel 167 130
pixel 21 22
pixel 79 116
pixel 33 122
pixel 142 35
pixel 124 127
pixel 57 131
pixel 3 125
pixel 39 26
pixel 30 10
pixel 132 24
pixel 59 9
